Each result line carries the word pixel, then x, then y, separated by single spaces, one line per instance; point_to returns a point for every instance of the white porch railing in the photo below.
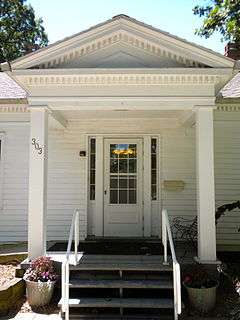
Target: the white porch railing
pixel 74 229
pixel 167 236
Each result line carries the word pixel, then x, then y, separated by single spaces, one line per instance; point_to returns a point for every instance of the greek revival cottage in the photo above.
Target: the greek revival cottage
pixel 119 121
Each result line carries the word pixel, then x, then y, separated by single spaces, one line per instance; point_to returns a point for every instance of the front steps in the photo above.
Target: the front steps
pixel 121 287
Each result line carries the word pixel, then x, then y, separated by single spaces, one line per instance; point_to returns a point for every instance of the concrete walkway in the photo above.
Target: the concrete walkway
pixel 34 316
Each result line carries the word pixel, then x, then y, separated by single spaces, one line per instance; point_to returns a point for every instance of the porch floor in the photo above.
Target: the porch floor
pixel 123 247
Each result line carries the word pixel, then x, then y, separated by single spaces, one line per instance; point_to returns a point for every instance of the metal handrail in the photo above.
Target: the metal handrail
pixel 65 265
pixel 167 236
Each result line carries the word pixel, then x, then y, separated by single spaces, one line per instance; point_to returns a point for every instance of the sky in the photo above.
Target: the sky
pixel 63 18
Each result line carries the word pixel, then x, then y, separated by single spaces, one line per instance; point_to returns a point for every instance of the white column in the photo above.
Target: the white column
pixel 205 186
pixel 37 204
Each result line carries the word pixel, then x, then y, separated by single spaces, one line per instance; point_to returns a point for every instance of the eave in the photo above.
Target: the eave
pixel 122 28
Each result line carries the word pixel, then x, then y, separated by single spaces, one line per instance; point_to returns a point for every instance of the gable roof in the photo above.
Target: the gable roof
pixel 9 89
pixel 153 36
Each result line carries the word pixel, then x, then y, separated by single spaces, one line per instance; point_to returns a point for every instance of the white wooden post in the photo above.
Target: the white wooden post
pixel 37 182
pixel 205 186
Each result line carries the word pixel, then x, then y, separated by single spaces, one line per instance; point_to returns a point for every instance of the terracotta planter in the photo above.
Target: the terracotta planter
pixel 202 299
pixel 39 293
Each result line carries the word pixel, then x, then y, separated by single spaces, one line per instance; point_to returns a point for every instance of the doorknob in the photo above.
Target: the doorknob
pixel 105 191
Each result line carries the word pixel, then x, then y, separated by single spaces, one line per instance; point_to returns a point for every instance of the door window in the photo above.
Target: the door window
pixel 92 166
pixel 154 169
pixel 123 174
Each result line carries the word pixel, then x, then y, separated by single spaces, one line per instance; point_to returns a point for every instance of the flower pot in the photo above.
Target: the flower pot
pixel 39 293
pixel 202 299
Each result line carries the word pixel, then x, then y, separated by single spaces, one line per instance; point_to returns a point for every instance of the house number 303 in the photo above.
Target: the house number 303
pixel 37 146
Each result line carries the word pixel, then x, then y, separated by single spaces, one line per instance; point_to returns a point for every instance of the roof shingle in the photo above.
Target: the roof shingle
pixel 9 89
pixel 232 88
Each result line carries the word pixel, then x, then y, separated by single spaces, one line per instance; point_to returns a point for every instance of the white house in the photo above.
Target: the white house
pixel 120 121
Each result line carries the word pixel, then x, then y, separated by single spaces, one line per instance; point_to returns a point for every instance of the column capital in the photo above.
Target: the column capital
pixel 40 107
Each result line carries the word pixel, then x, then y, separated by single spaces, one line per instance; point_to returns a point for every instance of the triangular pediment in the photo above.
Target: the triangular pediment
pixel 122 42
pixel 119 55
pixel 120 59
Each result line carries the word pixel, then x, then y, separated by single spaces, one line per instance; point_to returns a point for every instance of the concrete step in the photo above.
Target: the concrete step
pixel 121 263
pixel 122 267
pixel 131 284
pixel 141 303
pixel 120 317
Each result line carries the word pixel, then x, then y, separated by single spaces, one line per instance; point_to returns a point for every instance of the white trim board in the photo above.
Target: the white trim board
pixel 2 161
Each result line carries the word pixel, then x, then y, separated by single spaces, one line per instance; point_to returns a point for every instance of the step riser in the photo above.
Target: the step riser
pixel 121 283
pixel 123 293
pixel 118 286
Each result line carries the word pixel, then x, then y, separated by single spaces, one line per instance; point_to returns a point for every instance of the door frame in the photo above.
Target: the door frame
pixel 140 184
pixel 147 202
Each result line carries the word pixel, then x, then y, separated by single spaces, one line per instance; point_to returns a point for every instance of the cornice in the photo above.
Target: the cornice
pixel 228 108
pixel 124 37
pixel 14 108
pixel 117 79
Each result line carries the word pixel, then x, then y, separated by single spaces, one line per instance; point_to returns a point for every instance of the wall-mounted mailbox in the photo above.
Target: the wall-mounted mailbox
pixel 173 185
pixel 82 153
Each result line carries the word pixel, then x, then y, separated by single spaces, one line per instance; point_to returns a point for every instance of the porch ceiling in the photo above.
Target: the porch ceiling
pixel 73 115
pixel 164 118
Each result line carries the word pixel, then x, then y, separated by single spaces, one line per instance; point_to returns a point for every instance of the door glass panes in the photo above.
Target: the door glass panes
pixel 92 172
pixel 123 173
pixel 154 169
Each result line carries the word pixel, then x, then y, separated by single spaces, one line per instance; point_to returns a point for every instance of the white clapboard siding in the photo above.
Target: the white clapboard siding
pixel 177 158
pixel 227 173
pixel 67 189
pixel 14 193
pixel 66 183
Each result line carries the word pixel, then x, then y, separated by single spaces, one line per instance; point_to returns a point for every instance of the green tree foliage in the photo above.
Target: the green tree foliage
pixel 20 31
pixel 219 15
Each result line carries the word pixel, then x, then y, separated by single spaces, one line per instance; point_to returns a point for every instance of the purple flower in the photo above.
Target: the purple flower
pixel 41 269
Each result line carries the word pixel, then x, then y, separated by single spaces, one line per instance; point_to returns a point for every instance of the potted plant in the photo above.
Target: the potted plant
pixel 40 279
pixel 201 287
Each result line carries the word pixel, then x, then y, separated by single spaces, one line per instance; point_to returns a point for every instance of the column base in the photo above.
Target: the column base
pixel 213 262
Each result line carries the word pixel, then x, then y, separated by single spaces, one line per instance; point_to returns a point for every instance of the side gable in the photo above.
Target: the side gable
pixel 10 90
pixel 122 42
pixel 232 88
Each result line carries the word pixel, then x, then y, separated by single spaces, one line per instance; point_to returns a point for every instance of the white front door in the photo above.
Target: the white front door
pixel 123 188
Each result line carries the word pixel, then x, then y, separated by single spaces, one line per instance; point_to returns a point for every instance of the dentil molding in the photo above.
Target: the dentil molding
pixel 119 37
pixel 117 79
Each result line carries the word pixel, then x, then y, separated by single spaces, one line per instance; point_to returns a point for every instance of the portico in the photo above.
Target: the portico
pixel 121 127
pixel 201 116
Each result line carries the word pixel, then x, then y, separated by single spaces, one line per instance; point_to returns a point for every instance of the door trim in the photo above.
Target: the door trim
pixel 99 185
pixel 147 208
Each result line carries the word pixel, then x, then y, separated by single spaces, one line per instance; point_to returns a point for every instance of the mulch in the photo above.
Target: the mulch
pixel 7 273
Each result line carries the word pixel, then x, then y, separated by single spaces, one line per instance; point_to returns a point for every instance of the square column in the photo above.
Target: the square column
pixel 37 203
pixel 205 185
